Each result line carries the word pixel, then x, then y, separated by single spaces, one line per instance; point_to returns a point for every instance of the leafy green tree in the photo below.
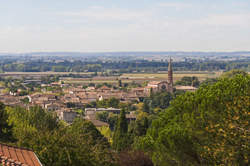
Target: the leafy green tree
pixel 233 73
pixel 113 102
pixel 188 81
pixel 78 144
pixel 161 99
pixel 139 127
pixel 26 123
pixel 120 138
pixel 209 81
pixel 102 116
pixel 57 144
pixel 206 127
pixel 5 128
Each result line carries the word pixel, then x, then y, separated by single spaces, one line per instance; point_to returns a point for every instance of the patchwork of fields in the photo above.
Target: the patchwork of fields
pixel 126 78
pixel 141 77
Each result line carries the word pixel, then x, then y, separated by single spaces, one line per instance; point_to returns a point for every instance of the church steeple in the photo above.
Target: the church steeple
pixel 170 75
pixel 170 72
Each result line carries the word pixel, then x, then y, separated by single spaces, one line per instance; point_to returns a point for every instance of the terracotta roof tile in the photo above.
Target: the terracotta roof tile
pixel 17 156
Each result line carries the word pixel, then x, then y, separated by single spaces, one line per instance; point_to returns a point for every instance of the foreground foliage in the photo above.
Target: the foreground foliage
pixel 207 127
pixel 57 144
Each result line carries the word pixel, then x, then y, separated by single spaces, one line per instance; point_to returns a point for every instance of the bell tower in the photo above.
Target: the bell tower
pixel 170 75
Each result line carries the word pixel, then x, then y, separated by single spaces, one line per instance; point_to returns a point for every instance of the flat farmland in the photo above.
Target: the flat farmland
pixel 177 75
pixel 42 73
pixel 141 77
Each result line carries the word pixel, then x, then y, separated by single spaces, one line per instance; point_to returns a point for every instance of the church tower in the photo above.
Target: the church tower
pixel 170 76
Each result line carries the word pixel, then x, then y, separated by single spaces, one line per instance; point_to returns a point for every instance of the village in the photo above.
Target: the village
pixel 66 99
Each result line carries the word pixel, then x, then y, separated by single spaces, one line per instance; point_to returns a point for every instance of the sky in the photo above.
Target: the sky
pixel 124 25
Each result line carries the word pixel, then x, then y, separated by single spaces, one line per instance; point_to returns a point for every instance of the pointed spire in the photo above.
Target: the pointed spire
pixel 170 75
pixel 170 64
pixel 170 71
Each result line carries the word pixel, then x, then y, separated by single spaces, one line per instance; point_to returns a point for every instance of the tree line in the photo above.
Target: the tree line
pixel 120 66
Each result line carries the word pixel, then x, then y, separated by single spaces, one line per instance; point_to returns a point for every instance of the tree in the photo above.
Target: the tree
pixel 102 116
pixel 57 144
pixel 139 127
pixel 233 73
pixel 209 81
pixel 189 81
pixel 146 106
pixel 27 123
pixel 206 127
pixel 112 120
pixel 134 158
pixel 161 99
pixel 5 128
pixel 120 135
pixel 119 83
pixel 113 102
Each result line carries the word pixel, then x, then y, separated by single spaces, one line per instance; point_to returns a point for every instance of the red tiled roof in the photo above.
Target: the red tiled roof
pixel 185 88
pixel 105 88
pixel 10 155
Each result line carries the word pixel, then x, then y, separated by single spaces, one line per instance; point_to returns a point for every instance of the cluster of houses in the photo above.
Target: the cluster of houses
pixel 78 97
pixel 67 97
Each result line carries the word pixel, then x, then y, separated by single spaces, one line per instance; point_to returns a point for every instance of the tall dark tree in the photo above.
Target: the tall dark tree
pixel 120 83
pixel 146 106
pixel 140 126
pixel 121 133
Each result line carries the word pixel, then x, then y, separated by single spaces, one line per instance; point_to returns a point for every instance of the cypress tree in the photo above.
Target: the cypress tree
pixel 120 134
pixel 120 83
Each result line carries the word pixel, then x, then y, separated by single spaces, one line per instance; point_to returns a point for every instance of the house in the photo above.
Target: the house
pixel 157 86
pixel 76 90
pixel 110 110
pixel 108 95
pixel 67 115
pixel 131 117
pixel 87 97
pixel 91 111
pixel 53 106
pixel 10 155
pixel 42 98
pixel 130 96
pixel 71 98
pixel 138 91
pixel 186 88
pixel 98 123
pixel 104 89
pixel 90 88
pixel 10 100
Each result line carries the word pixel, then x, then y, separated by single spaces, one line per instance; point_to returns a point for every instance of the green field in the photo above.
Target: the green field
pixel 141 77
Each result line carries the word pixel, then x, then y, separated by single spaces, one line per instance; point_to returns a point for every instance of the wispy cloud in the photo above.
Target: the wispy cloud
pixel 227 20
pixel 175 5
pixel 99 13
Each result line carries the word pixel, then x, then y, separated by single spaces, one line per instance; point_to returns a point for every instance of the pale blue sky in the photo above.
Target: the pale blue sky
pixel 124 25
